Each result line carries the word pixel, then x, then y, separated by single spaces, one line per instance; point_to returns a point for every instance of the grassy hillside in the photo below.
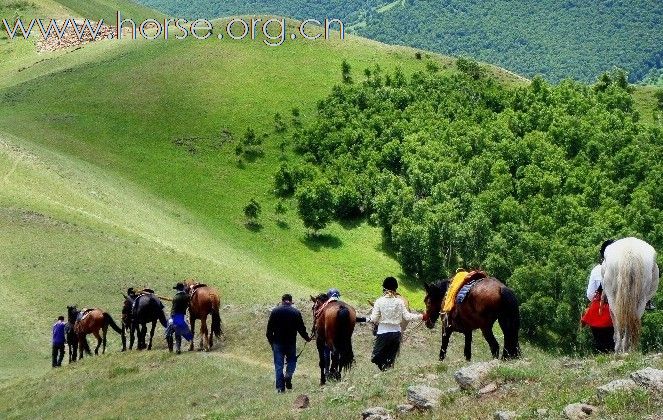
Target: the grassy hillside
pixel 552 38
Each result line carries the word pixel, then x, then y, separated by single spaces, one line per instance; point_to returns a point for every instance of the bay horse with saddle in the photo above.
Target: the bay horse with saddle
pixel 333 325
pixel 203 301
pixel 474 301
pixel 95 322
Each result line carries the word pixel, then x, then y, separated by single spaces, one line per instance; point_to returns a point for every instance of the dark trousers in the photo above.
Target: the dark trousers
pixel 604 341
pixel 385 349
pixel 285 355
pixel 58 354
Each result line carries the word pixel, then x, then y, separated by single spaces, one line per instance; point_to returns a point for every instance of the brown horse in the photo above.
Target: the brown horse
pixel 488 300
pixel 204 300
pixel 92 321
pixel 333 325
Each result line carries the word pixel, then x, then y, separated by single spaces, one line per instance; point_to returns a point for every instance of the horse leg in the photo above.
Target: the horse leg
pixel 210 337
pixel 446 334
pixel 468 346
pixel 203 334
pixel 154 326
pixel 492 341
pixel 193 332
pixel 321 355
pixel 103 337
pixel 99 341
pixel 81 346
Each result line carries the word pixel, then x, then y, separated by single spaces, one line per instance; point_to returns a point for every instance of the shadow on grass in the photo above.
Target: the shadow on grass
pixel 351 223
pixel 282 224
pixel 317 242
pixel 253 226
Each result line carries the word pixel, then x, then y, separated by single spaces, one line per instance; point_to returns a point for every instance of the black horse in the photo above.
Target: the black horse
pixel 489 300
pixel 146 308
pixel 71 338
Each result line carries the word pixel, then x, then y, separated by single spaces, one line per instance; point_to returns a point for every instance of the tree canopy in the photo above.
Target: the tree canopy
pixel 460 171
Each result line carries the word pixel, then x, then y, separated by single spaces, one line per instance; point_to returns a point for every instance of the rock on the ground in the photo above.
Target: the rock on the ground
pixel 649 378
pixel 405 408
pixel 491 387
pixel 615 386
pixel 376 413
pixel 301 402
pixel 472 376
pixel 578 411
pixel 505 415
pixel 424 397
pixel 542 412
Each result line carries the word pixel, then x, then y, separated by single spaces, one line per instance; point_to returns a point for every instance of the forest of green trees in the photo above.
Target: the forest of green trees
pixel 556 39
pixel 460 171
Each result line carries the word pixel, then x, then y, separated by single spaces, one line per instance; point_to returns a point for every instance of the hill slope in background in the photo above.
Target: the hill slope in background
pixel 556 39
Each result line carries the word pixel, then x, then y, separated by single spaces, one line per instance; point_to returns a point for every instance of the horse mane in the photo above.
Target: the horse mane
pixel 323 297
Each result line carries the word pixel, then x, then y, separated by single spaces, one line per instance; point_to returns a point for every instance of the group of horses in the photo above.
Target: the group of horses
pixel 137 312
pixel 630 279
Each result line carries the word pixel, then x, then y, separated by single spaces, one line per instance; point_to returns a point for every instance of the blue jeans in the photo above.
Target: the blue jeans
pixel 284 355
pixel 177 325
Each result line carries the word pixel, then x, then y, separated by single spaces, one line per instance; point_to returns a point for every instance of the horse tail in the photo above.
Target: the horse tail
pixel 629 294
pixel 216 320
pixel 108 320
pixel 343 338
pixel 509 320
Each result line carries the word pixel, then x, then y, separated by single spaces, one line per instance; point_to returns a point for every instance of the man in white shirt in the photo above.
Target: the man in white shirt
pixel 388 313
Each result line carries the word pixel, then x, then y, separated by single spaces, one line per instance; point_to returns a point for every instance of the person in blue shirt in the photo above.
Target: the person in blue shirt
pixel 58 341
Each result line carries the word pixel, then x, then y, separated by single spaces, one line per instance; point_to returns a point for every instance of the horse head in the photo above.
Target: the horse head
pixel 72 314
pixel 433 300
pixel 318 301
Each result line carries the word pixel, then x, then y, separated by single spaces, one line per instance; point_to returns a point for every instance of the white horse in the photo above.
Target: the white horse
pixel 630 279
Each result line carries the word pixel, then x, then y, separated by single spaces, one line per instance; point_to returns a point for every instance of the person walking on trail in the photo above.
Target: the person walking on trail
pixel 58 341
pixel 177 325
pixel 388 313
pixel 285 321
pixel 597 316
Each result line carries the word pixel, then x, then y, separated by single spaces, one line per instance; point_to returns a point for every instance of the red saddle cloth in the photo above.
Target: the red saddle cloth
pixel 597 314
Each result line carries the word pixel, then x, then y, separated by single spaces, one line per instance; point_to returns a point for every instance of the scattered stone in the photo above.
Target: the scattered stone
pixel 578 411
pixel 542 412
pixel 649 378
pixel 375 413
pixel 471 377
pixel 491 387
pixel 431 377
pixel 505 415
pixel 423 397
pixel 301 402
pixel 615 386
pixel 405 408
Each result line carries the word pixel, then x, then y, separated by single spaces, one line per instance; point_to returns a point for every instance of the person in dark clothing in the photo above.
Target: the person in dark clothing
pixel 285 321
pixel 177 324
pixel 58 342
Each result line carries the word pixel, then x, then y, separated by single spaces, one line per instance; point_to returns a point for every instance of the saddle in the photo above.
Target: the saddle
pixel 465 290
pixel 459 281
pixel 83 314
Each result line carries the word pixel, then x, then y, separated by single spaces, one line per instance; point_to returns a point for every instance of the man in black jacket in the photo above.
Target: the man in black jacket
pixel 284 323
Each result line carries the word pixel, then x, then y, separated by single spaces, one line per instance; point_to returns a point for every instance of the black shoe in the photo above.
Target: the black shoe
pixel 280 390
pixel 288 383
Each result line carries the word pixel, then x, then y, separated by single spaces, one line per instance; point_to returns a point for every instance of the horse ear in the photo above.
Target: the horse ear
pixel 312 298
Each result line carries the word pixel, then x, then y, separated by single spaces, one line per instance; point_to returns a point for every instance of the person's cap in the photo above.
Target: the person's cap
pixel 286 298
pixel 334 293
pixel 179 286
pixel 390 283
pixel 61 318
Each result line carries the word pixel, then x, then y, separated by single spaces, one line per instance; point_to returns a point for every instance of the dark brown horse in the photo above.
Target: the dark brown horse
pixel 333 325
pixel 92 321
pixel 204 301
pixel 488 300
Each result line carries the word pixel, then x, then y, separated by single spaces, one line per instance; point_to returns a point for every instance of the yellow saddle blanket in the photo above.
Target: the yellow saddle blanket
pixel 454 286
